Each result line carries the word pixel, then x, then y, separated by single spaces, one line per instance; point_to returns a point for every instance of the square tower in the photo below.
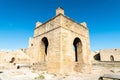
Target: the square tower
pixel 62 45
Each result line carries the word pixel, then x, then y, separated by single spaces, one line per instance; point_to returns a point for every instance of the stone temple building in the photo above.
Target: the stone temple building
pixel 61 45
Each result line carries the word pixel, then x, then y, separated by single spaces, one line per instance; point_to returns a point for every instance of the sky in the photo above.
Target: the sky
pixel 18 19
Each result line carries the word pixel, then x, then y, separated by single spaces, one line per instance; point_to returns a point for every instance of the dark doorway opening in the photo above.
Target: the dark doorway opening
pixel 45 41
pixel 97 57
pixel 78 49
pixel 111 58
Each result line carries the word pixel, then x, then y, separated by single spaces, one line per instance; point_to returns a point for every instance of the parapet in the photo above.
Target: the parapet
pixel 38 24
pixel 59 10
pixel 84 24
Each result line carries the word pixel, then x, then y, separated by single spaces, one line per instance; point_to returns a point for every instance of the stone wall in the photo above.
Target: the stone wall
pixel 18 55
pixel 71 30
pixel 110 55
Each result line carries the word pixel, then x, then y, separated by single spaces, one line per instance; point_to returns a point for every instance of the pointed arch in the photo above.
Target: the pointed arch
pixel 111 58
pixel 46 43
pixel 78 49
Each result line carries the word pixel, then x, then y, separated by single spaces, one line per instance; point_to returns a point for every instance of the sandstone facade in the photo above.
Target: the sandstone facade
pixel 62 44
pixel 16 57
pixel 110 55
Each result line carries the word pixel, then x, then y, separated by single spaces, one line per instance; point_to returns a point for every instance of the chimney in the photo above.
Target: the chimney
pixel 59 11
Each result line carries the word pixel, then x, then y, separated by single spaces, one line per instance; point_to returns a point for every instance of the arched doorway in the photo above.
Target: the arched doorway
pixel 111 58
pixel 97 57
pixel 46 43
pixel 78 49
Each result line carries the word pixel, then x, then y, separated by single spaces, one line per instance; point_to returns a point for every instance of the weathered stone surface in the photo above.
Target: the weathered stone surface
pixel 62 44
pixel 15 57
pixel 110 55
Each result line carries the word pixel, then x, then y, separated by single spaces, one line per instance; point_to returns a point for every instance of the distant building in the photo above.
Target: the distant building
pixel 110 55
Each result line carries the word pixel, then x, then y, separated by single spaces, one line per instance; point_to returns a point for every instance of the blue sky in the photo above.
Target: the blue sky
pixel 18 18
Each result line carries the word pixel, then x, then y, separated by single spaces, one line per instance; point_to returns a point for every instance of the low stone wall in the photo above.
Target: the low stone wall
pixel 108 63
pixel 110 55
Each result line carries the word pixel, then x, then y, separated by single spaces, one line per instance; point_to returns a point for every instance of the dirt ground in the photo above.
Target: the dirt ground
pixel 27 74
